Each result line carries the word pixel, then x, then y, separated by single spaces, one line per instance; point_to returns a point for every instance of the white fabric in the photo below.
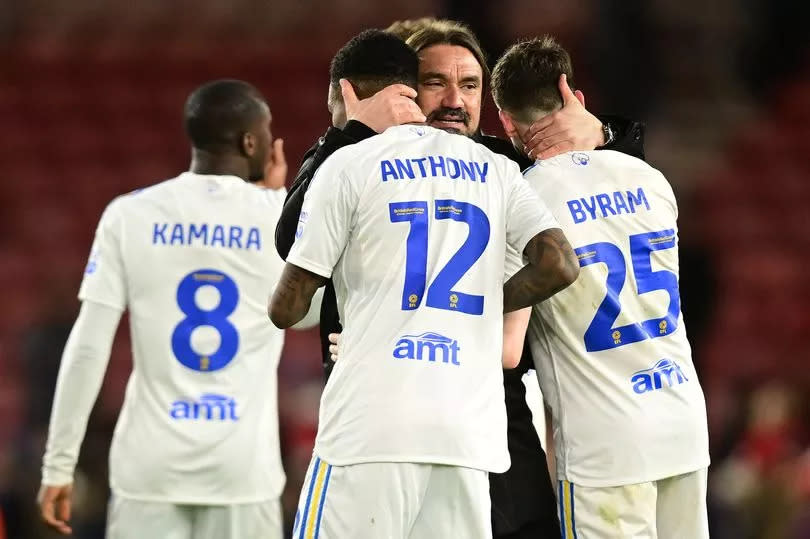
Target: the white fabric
pixel 137 519
pixel 534 400
pixel 419 377
pixel 394 501
pixel 193 261
pixel 623 412
pixel 671 508
pixel 313 316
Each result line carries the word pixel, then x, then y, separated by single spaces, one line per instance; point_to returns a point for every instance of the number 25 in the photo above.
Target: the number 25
pixel 601 335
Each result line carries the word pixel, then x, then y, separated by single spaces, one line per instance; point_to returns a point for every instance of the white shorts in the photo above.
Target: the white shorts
pixel 672 508
pixel 135 519
pixel 385 500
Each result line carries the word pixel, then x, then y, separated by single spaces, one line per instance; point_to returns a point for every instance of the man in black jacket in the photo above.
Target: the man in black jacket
pixel 452 75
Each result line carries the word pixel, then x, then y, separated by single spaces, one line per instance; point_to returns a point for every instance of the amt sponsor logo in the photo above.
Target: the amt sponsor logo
pixel 209 407
pixel 665 373
pixel 428 346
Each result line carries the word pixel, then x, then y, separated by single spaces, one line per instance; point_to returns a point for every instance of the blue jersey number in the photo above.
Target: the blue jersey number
pixel 196 317
pixel 601 335
pixel 440 293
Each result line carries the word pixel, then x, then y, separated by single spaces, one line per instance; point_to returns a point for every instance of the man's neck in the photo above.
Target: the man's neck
pixel 207 163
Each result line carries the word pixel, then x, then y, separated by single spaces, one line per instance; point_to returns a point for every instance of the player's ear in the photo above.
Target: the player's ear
pixel 507 123
pixel 248 144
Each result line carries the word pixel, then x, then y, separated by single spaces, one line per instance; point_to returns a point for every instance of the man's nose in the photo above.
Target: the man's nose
pixel 452 98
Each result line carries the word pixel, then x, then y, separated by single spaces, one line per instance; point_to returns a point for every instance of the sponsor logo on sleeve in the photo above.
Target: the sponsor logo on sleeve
pixel 302 220
pixel 92 262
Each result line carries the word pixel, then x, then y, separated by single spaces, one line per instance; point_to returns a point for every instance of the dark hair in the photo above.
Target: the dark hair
pixel 219 112
pixel 407 27
pixel 373 60
pixel 525 79
pixel 447 32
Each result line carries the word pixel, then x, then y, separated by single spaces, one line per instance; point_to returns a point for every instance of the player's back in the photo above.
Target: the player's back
pixel 420 293
pixel 611 350
pixel 192 259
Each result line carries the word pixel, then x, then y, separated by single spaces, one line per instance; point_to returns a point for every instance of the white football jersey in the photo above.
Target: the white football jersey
pixel 193 261
pixel 412 226
pixel 611 351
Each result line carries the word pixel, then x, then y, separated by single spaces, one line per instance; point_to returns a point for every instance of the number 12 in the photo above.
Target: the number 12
pixel 440 294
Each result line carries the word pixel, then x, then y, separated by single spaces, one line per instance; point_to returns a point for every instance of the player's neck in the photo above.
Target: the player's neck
pixel 206 163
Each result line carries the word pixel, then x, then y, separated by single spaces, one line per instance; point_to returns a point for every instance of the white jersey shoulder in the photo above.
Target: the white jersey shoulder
pixel 193 260
pixel 568 173
pixel 611 350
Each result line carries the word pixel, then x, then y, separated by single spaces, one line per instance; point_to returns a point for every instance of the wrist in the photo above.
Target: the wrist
pixel 54 477
pixel 607 135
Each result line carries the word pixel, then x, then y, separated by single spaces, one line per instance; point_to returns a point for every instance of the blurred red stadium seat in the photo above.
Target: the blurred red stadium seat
pixel 755 211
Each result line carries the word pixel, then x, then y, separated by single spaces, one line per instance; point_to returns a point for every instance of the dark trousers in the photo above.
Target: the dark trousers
pixel 524 504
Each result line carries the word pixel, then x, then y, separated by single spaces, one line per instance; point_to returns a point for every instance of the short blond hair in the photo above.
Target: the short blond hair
pixel 406 28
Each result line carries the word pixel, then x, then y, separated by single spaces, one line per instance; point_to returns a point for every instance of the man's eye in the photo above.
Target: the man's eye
pixel 470 86
pixel 432 83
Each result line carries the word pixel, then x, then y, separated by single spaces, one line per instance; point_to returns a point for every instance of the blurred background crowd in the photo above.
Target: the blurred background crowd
pixel 91 96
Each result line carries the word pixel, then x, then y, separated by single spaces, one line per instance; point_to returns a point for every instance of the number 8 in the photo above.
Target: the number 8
pixel 196 317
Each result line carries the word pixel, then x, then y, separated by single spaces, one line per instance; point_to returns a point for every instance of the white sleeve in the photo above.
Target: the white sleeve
pixel 326 220
pixel 313 317
pixel 513 264
pixel 104 279
pixel 81 372
pixel 527 215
